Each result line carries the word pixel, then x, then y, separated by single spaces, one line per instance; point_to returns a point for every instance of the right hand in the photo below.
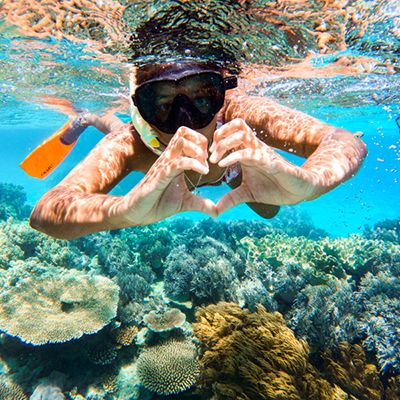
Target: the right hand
pixel 163 191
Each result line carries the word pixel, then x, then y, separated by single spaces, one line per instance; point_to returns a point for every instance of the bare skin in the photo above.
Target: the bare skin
pixel 255 126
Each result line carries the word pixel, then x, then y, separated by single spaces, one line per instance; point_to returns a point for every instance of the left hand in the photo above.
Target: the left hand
pixel 267 177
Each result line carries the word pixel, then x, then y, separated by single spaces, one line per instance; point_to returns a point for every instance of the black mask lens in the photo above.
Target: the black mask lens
pixel 191 101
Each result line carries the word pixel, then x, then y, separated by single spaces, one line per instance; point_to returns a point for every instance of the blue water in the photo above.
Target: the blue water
pixel 328 290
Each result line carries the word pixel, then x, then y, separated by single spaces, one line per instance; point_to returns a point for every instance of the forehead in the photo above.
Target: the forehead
pixel 172 70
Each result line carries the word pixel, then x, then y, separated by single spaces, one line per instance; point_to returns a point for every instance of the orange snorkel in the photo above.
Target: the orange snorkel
pixel 49 154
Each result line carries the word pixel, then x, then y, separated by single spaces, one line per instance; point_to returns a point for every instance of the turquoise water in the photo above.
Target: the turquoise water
pixel 305 306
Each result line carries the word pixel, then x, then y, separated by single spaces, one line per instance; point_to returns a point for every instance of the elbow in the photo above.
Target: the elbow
pixel 40 220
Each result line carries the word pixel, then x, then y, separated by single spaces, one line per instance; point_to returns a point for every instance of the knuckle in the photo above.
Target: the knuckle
pixel 239 123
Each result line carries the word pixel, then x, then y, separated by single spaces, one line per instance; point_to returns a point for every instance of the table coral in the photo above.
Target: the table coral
pixel 164 321
pixel 255 355
pixel 49 305
pixel 169 367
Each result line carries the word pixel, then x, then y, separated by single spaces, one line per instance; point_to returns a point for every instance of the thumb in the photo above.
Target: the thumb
pixel 197 203
pixel 231 199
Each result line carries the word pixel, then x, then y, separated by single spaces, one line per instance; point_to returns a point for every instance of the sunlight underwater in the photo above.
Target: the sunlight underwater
pixel 205 309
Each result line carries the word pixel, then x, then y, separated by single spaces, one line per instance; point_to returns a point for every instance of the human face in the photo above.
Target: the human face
pixel 190 99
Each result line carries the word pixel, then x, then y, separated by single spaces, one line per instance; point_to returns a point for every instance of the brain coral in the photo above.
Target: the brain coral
pixel 169 367
pixel 49 305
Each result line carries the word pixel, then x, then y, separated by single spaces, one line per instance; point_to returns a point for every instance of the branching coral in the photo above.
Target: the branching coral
pixel 349 369
pixel 204 270
pixel 380 321
pixel 326 257
pixel 47 305
pixel 11 391
pixel 12 201
pixel 169 367
pixel 254 355
pixel 326 314
pixel 388 230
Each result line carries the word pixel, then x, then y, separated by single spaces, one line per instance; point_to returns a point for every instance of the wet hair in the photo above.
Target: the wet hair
pixel 173 29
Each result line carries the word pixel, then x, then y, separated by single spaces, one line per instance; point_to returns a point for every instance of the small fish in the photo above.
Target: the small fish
pixel 359 134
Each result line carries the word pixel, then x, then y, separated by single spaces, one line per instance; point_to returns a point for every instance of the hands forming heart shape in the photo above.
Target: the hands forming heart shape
pixel 267 177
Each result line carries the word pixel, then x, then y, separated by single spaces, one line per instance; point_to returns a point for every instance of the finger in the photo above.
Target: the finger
pixel 247 157
pixel 233 198
pixel 176 166
pixel 197 203
pixel 234 141
pixel 228 129
pixel 193 136
pixel 191 149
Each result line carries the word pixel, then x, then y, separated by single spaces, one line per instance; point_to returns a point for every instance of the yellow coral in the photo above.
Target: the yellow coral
pixel 350 370
pixel 255 355
pixel 126 334
pixel 11 391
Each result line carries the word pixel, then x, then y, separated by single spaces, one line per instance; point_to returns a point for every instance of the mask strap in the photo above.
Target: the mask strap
pixel 143 128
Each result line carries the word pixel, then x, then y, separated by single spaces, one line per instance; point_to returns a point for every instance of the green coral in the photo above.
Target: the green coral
pixel 50 305
pixel 169 367
pixel 326 257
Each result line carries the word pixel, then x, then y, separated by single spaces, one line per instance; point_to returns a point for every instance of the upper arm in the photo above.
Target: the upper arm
pixel 106 164
pixel 279 126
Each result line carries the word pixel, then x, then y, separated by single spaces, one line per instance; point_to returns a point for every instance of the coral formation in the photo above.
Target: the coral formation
pixel 48 305
pixel 125 334
pixel 388 230
pixel 12 202
pixel 11 391
pixel 254 355
pixel 203 271
pixel 349 369
pixel 169 367
pixel 164 321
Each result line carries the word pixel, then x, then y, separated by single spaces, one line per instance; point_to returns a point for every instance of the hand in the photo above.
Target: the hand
pixel 163 191
pixel 267 177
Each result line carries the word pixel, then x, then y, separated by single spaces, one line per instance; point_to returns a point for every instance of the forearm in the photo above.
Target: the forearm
pixel 338 157
pixel 333 154
pixel 105 124
pixel 66 215
pixel 279 126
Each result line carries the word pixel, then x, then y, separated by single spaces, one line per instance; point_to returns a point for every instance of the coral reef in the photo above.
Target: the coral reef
pixel 325 314
pixel 348 368
pixel 12 202
pixel 380 320
pixel 165 321
pixel 203 271
pixel 11 391
pixel 388 230
pixel 125 334
pixel 169 367
pixel 254 355
pixel 48 305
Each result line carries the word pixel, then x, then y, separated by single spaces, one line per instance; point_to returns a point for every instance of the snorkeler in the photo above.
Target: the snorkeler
pixel 186 133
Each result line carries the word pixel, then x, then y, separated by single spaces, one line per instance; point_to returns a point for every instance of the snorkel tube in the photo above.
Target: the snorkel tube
pixel 143 128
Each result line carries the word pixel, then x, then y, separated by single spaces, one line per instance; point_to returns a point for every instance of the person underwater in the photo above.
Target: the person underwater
pixel 187 132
